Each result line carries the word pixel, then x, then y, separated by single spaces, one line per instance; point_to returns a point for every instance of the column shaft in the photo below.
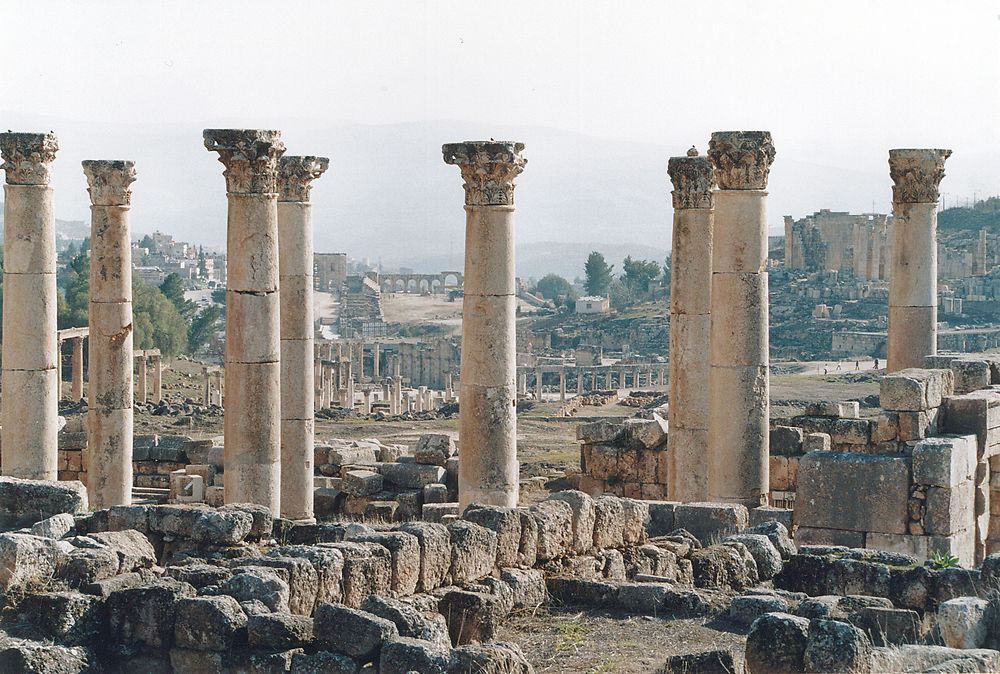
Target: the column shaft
pixel 488 469
pixel 690 327
pixel 76 365
pixel 157 379
pixel 253 404
pixel 913 254
pixel 295 261
pixel 141 367
pixel 30 360
pixel 738 418
pixel 110 415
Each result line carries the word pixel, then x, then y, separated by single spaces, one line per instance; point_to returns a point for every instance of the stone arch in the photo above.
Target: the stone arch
pixel 400 285
pixel 423 285
pixel 411 285
pixel 436 286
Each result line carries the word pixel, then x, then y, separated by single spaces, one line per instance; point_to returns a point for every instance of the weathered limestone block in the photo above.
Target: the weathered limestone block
pixel 146 614
pixel 964 622
pixel 404 554
pixel 917 425
pixel 268 585
pixel 412 619
pixel 724 566
pixel 473 551
pixel 472 616
pixel 354 633
pixel 412 475
pixel 600 432
pixel 134 551
pixel 976 413
pixel 776 644
pixel 555 528
pixel 498 656
pixel 644 433
pixel 785 441
pixel 209 623
pixel 67 617
pixel 404 654
pixel 950 510
pixel 747 608
pixel 25 559
pixel 279 631
pixel 884 479
pixel 435 553
pixel 915 658
pixel 765 555
pixel 299 573
pixel 328 563
pixel 970 375
pixel 527 548
pixel 54 527
pixel 850 432
pixel 836 646
pixel 710 522
pixel 635 518
pixel 323 662
pixel 362 482
pixel 960 544
pixel 434 449
pixel 584 517
pixel 915 389
pixel 24 502
pixel 367 570
pixel 944 461
pixel 505 523
pixel 840 410
pixel 816 442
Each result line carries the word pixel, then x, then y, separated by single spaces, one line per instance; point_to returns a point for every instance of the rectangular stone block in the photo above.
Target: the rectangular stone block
pixel 813 536
pixel 599 432
pixel 785 440
pixel 602 461
pixel 923 548
pixel 412 475
pixel 762 514
pixel 915 389
pixel 661 517
pixel 885 428
pixel 850 431
pixel 944 461
pixel 881 483
pixel 918 425
pixel 948 510
pixel 970 375
pixel 842 410
pixel 978 413
pixel 711 522
pixel 816 442
pixel 362 482
pixel 778 473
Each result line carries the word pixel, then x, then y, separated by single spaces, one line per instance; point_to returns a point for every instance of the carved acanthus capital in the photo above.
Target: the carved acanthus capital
pixel 27 157
pixel 916 175
pixel 694 179
pixel 250 157
pixel 488 169
pixel 295 176
pixel 742 159
pixel 109 181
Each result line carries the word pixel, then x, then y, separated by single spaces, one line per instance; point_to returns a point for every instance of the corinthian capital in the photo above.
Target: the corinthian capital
pixel 295 176
pixel 27 157
pixel 488 169
pixel 693 179
pixel 742 159
pixel 916 175
pixel 250 157
pixel 109 181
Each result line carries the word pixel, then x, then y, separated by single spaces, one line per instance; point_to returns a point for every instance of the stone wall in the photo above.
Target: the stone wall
pixel 627 458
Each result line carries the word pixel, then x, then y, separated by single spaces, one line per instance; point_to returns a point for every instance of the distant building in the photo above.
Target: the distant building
pixel 593 305
pixel 329 271
pixel 151 276
pixel 839 241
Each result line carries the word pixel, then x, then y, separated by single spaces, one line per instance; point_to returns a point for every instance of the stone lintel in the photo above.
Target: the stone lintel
pixel 693 179
pixel 916 174
pixel 109 181
pixel 250 157
pixel 27 157
pixel 488 169
pixel 742 159
pixel 295 176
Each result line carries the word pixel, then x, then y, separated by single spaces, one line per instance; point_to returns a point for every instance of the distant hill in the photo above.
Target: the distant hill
pixel 389 195
pixel 985 214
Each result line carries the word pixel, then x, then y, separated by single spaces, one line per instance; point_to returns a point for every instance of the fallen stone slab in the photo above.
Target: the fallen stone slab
pixel 24 502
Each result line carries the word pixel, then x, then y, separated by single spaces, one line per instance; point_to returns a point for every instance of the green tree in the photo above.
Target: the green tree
pixel 173 289
pixel 553 286
pixel 598 274
pixel 639 273
pixel 156 322
pixel 74 310
pixel 147 243
pixel 203 326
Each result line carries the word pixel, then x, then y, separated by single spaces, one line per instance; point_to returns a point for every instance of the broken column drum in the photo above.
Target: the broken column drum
pixel 30 401
pixel 690 326
pixel 110 397
pixel 253 401
pixel 916 175
pixel 738 404
pixel 295 264
pixel 488 465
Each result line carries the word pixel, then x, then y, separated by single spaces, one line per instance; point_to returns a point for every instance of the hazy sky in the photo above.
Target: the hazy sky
pixel 835 82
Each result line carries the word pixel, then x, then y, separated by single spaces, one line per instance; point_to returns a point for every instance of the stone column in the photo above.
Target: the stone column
pixel 295 268
pixel 562 385
pixel 30 362
pixel 375 363
pixel 916 175
pixel 579 381
pixel 738 404
pixel 140 364
pixel 538 384
pixel 109 419
pixel 253 415
pixel 157 377
pixel 207 384
pixel 76 365
pixel 488 469
pixel 397 394
pixel 522 383
pixel 690 326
